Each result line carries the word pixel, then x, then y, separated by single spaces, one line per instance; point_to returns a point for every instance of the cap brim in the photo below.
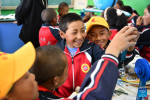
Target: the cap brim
pixel 24 59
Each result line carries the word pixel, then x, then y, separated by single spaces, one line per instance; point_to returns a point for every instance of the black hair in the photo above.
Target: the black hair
pixel 120 2
pixel 90 6
pixel 63 4
pixel 129 9
pixel 48 15
pixel 114 20
pixel 148 7
pixel 49 63
pixel 67 19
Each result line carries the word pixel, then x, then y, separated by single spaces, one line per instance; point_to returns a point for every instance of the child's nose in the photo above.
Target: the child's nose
pixel 79 36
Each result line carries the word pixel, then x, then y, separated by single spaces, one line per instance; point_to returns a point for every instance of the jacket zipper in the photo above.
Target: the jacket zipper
pixel 73 74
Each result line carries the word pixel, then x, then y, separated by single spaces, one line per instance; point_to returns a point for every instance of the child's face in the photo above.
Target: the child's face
pixel 99 35
pixel 63 11
pixel 146 17
pixel 75 34
pixel 25 88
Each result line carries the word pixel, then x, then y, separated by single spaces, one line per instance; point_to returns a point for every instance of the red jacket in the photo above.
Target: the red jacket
pixel 49 35
pixel 79 65
pixel 114 32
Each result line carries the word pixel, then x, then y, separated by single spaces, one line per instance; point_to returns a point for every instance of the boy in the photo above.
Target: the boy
pixel 15 82
pixel 49 73
pixel 49 33
pixel 63 9
pixel 79 52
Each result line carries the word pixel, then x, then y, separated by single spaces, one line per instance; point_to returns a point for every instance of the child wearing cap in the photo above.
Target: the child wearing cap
pixel 97 30
pixel 15 82
pixel 49 32
pixel 80 53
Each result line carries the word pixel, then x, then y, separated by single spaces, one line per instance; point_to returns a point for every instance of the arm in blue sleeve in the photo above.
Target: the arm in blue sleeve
pixel 100 81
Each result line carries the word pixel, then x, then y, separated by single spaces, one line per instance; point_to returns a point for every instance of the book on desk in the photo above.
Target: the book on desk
pixel 10 16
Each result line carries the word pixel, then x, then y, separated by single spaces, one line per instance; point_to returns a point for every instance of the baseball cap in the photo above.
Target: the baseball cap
pixel 14 66
pixel 95 20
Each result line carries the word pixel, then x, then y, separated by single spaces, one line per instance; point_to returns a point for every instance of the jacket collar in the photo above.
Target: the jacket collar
pixel 85 45
pixel 46 25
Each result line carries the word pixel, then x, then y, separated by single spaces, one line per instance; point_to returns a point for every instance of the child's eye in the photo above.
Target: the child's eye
pixel 102 33
pixel 83 31
pixel 92 35
pixel 74 32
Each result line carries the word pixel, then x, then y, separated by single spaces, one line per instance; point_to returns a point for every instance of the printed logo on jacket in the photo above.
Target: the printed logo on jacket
pixel 85 68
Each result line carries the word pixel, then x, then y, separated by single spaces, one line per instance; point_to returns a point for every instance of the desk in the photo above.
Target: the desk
pixel 9 36
pixel 127 88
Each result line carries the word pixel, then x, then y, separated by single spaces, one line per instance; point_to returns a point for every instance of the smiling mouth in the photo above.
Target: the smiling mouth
pixel 79 42
pixel 100 43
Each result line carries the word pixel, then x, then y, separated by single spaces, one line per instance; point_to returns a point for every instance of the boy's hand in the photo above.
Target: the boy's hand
pixel 122 41
pixel 139 20
pixel 135 32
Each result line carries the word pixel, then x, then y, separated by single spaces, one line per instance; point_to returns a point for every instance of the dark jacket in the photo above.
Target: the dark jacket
pixel 28 13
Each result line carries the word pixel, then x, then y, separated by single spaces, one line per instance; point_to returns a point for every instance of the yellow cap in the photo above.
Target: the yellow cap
pixel 95 20
pixel 14 66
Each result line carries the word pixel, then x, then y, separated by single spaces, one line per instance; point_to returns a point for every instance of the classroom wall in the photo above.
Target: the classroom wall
pixel 138 5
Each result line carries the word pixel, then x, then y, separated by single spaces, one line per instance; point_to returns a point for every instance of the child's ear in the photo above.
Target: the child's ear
pixel 62 34
pixel 55 81
pixel 109 34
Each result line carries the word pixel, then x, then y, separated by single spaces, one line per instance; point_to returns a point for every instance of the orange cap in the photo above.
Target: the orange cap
pixel 95 20
pixel 14 66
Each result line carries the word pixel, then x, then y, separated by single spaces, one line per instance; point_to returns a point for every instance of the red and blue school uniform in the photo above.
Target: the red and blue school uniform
pixel 144 41
pixel 45 94
pixel 132 21
pixel 49 35
pixel 80 64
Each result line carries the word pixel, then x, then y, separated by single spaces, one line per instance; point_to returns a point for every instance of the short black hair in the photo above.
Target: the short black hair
pixel 49 63
pixel 127 8
pixel 114 20
pixel 120 2
pixel 67 19
pixel 90 6
pixel 148 7
pixel 63 4
pixel 48 15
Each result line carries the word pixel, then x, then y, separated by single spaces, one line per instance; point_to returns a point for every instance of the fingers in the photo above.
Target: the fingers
pixel 124 29
pixel 131 44
pixel 130 31
pixel 131 37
